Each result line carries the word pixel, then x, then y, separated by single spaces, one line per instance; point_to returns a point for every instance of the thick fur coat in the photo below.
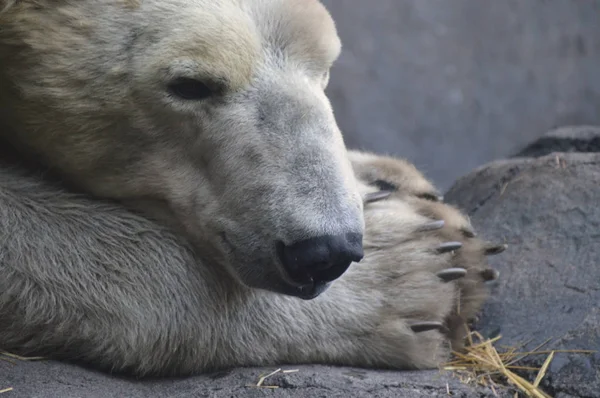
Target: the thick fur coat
pixel 156 155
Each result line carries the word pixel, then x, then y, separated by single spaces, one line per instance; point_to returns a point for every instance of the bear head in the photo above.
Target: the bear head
pixel 208 115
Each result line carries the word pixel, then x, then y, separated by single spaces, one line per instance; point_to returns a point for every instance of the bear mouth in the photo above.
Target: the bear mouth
pixel 321 273
pixel 308 287
pixel 307 291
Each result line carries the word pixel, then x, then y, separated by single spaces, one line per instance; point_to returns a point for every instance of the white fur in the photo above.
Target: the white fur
pixel 84 90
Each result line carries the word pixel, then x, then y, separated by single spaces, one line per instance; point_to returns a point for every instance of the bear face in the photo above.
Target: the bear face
pixel 209 115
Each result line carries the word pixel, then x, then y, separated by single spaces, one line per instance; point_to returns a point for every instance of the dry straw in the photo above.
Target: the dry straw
pixel 481 363
pixel 262 378
pixel 8 357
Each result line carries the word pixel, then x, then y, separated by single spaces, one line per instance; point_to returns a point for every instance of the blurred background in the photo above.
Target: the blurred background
pixel 453 84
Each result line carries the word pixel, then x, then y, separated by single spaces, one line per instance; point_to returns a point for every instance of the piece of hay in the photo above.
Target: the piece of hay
pixel 543 370
pixel 20 358
pixel 5 357
pixel 262 378
pixel 481 363
pixel 291 371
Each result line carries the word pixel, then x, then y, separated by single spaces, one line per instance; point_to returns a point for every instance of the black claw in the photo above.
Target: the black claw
pixel 468 232
pixel 489 274
pixel 451 274
pixel 385 185
pixel 376 196
pixel 431 226
pixel 491 250
pixel 448 247
pixel 430 196
pixel 427 326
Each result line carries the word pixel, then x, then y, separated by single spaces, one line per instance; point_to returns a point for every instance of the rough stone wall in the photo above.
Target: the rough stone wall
pixel 453 84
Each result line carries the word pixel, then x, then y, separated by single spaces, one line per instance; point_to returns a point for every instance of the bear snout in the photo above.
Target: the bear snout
pixel 320 259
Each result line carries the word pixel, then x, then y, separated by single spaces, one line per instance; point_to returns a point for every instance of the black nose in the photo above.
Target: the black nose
pixel 321 259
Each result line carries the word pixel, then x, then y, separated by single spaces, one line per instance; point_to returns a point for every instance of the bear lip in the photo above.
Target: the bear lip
pixel 310 291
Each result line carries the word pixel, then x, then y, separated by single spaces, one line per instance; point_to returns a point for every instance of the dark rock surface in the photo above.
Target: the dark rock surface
pixel 565 139
pixel 49 379
pixel 454 84
pixel 548 211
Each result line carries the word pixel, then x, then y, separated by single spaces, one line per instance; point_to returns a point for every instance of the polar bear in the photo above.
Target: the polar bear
pixel 176 197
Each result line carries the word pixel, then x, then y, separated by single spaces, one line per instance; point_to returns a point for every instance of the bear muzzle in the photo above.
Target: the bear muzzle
pixel 315 262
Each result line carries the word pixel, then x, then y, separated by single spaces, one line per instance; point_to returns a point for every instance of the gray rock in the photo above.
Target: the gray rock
pixel 48 379
pixel 564 139
pixel 454 84
pixel 548 211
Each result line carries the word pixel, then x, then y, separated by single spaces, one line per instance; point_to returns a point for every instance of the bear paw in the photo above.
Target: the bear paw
pixel 430 266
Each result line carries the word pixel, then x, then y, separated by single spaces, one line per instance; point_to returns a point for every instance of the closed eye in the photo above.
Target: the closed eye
pixel 189 89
